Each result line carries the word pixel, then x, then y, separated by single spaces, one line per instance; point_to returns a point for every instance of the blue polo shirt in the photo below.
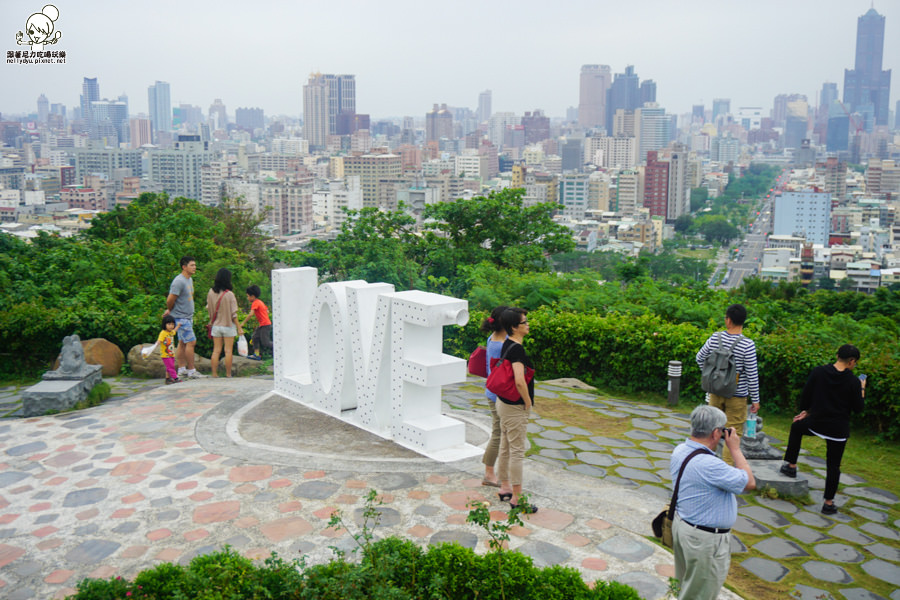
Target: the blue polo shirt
pixel 706 495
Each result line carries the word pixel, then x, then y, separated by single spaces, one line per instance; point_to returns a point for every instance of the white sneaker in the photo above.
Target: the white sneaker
pixel 195 374
pixel 182 372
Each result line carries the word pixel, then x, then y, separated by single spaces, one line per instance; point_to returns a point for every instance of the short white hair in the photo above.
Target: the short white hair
pixel 705 419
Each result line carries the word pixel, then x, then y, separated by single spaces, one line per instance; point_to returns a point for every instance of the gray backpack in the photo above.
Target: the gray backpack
pixel 719 374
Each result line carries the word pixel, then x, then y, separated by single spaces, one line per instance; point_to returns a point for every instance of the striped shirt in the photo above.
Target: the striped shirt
pixel 706 494
pixel 744 353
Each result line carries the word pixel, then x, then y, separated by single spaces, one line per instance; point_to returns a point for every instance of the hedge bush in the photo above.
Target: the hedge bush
pixel 631 353
pixel 389 569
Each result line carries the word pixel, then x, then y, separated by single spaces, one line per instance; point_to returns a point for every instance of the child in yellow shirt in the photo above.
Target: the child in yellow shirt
pixel 166 341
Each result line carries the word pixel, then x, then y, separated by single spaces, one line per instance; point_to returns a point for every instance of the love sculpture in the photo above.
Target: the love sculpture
pixel 370 356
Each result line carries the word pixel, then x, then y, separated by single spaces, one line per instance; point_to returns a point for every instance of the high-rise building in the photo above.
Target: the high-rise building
pixel 218 116
pixel 780 107
pixel 160 103
pixel 250 118
pixel 109 121
pixel 796 123
pixel 139 128
pixel 803 214
pixel 315 111
pixel 655 129
pixel 867 84
pixel 828 95
pixel 439 124
pixel 720 106
pixel 648 91
pixel 178 171
pixel 593 88
pixel 341 98
pixel 573 195
pixel 96 157
pixel 656 185
pixel 90 92
pixel 371 170
pixel 537 126
pixel 484 106
pixel 43 106
pixel 624 92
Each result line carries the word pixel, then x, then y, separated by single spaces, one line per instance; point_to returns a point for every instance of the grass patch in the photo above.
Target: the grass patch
pixel 584 417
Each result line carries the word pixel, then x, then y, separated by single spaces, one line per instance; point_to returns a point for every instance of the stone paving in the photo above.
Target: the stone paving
pixel 164 473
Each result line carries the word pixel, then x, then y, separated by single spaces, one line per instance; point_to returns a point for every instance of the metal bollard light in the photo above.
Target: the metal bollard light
pixel 674 381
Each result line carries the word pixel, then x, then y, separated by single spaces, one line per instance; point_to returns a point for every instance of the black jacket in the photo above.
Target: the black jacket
pixel 829 397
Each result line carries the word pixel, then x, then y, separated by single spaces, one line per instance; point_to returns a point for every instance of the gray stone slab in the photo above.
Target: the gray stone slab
pixel 659 446
pixel 578 431
pixel 895 595
pixel 880 530
pixel 884 551
pixel 613 414
pixel 745 525
pixel 182 470
pixel 587 470
pixel 92 551
pixel 547 460
pixel 641 412
pixel 813 520
pixel 427 511
pixel 552 434
pixel 737 546
pixel 629 452
pixel 647 585
pixel 316 490
pixel 626 548
pixel 764 515
pixel 549 423
pixel 466 539
pixel 85 497
pixel 640 434
pixel 645 424
pixel 840 553
pixel 849 534
pixel 860 594
pixel 596 459
pixel 612 442
pixel 805 534
pixel 663 494
pixel 804 592
pixel 670 435
pixel 583 445
pixel 637 463
pixel 387 517
pixel 782 506
pixel 765 569
pixel 779 548
pixel 871 493
pixel 675 422
pixel 26 449
pixel 638 475
pixel 545 443
pixel 557 454
pixel 8 478
pixel 827 572
pixel 544 554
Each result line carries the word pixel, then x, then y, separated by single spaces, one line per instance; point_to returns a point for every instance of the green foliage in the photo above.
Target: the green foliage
pixel 98 394
pixel 716 228
pixel 699 197
pixel 112 280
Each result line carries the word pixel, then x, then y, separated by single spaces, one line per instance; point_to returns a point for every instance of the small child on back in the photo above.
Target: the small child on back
pixel 262 337
pixel 166 343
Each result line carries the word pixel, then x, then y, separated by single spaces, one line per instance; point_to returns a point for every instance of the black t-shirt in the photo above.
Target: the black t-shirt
pixel 515 352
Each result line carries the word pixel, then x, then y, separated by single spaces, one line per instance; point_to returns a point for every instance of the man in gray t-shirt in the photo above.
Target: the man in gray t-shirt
pixel 180 304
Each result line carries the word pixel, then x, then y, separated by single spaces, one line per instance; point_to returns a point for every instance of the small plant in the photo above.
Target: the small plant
pixel 480 514
pixel 365 535
pixel 674 588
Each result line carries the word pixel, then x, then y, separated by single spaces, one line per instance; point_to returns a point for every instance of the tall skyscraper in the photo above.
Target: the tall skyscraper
pixel 866 84
pixel 325 97
pixel 594 85
pixel 625 92
pixel 438 123
pixel 655 129
pixel 484 106
pixel 160 104
pixel 720 106
pixel 139 129
pixel 648 91
pixel 43 106
pixel 90 92
pixel 218 114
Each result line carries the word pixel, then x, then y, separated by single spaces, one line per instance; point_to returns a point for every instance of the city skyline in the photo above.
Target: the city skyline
pixel 407 58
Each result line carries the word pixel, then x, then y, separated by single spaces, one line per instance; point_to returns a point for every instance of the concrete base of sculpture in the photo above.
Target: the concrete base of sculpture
pixel 767 475
pixel 59 391
pixel 758 448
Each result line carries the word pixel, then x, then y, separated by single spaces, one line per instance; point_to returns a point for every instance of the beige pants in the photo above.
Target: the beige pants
pixel 701 561
pixel 735 410
pixel 493 445
pixel 513 439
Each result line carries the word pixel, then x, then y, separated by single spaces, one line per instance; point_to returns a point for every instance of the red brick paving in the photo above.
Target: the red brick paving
pixel 217 512
pixel 288 527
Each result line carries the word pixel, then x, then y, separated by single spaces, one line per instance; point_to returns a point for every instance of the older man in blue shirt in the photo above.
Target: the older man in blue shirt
pixel 707 506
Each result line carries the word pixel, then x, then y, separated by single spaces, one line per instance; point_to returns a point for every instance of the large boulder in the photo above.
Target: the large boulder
pixel 152 366
pixel 98 351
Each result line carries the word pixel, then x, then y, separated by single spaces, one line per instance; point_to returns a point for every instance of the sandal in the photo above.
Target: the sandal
pixel 490 483
pixel 505 497
pixel 528 509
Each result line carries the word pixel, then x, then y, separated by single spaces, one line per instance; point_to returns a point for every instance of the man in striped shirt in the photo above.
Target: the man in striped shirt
pixel 744 353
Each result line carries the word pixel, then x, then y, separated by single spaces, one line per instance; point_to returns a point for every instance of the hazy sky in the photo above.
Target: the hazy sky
pixel 407 55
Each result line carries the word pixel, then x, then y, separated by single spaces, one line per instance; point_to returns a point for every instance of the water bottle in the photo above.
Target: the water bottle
pixel 750 426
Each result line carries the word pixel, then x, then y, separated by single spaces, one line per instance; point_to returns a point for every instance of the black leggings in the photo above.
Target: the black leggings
pixel 834 452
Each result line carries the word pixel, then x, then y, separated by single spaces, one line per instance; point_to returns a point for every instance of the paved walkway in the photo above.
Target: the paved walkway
pixel 164 473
